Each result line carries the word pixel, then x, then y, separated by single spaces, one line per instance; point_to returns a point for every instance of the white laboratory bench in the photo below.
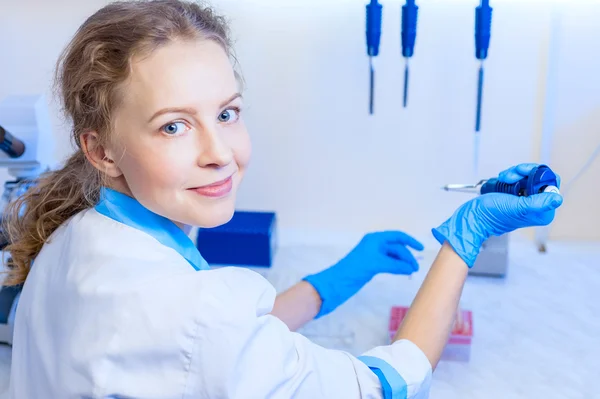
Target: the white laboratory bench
pixel 536 331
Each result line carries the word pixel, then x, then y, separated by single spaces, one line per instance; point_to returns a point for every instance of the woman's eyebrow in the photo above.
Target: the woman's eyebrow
pixel 230 99
pixel 183 110
pixel 188 110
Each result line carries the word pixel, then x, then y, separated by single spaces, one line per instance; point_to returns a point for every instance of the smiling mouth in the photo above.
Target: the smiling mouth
pixel 215 190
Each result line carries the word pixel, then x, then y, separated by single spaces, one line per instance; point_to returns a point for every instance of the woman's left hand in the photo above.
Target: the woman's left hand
pixel 381 252
pixel 495 214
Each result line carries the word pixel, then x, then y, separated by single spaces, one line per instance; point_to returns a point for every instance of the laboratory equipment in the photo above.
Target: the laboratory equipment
pixel 409 34
pixel 9 299
pixel 248 239
pixel 539 180
pixel 374 13
pixel 27 135
pixel 26 146
pixel 26 150
pixel 12 146
pixel 524 180
pixel 483 27
pixel 458 346
pixel 492 260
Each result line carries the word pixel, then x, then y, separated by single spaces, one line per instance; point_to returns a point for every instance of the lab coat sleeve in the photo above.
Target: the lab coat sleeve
pixel 244 352
pixel 402 368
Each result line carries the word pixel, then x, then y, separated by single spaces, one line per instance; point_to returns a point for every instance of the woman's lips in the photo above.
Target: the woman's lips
pixel 215 190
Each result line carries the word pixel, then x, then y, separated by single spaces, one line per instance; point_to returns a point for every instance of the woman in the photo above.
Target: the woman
pixel 118 303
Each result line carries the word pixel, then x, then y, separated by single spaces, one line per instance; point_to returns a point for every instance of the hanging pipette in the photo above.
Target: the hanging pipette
pixel 483 27
pixel 374 12
pixel 409 34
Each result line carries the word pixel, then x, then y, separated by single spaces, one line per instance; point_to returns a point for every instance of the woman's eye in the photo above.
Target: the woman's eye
pixel 229 116
pixel 174 128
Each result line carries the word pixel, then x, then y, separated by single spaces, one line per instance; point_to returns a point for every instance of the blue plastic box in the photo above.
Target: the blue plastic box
pixel 248 239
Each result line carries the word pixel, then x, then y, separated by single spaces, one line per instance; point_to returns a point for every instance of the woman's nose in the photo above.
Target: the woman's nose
pixel 213 149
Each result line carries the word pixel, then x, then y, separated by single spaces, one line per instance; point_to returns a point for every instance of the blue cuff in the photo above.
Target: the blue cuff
pixel 327 305
pixel 442 234
pixel 393 385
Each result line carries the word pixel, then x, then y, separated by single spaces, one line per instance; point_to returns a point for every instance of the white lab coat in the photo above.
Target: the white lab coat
pixel 120 304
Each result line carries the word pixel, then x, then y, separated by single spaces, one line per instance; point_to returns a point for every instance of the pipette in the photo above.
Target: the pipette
pixel 541 179
pixel 483 27
pixel 374 11
pixel 409 34
pixel 12 146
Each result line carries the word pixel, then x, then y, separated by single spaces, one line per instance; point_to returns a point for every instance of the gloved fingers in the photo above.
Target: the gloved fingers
pixel 516 173
pixel 399 256
pixel 543 202
pixel 525 168
pixel 395 266
pixel 399 237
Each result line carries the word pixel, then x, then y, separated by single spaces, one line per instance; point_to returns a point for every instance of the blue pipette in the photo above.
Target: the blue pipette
pixel 541 179
pixel 409 34
pixel 374 11
pixel 483 26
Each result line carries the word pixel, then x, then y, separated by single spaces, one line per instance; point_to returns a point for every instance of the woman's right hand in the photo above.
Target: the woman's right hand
pixel 496 214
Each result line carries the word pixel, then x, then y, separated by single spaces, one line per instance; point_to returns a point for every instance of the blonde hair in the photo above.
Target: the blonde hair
pixel 89 72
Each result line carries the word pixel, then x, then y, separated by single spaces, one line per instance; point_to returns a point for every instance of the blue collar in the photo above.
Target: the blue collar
pixel 129 211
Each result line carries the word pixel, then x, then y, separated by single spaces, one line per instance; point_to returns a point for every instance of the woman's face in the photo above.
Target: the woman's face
pixel 180 144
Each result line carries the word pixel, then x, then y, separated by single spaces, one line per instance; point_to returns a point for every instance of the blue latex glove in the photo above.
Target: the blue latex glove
pixel 382 252
pixel 495 214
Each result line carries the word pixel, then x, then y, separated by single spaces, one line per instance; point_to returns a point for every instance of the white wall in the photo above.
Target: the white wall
pixel 320 160
pixel 577 120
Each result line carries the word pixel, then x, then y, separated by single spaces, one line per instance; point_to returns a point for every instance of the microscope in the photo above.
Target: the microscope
pixel 26 148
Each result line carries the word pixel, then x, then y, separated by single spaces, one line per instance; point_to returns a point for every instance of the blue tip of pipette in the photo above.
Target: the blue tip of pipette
pixel 371 92
pixel 373 33
pixel 405 96
pixel 479 99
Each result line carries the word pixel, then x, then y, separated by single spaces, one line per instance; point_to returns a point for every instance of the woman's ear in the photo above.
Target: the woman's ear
pixel 98 155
